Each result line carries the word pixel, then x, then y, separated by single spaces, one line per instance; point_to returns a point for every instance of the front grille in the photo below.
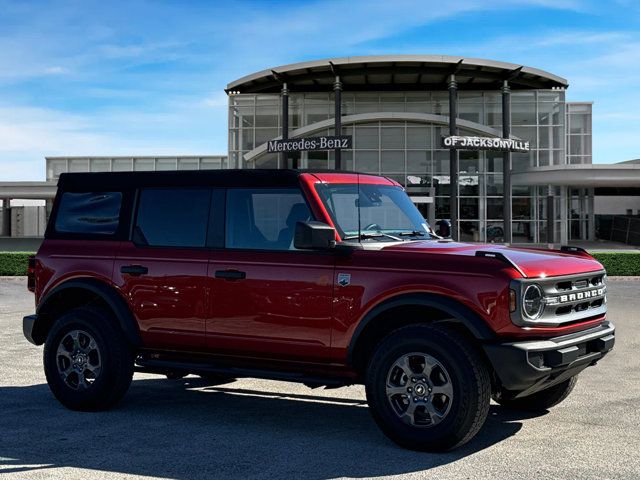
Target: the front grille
pixel 570 298
pixel 580 283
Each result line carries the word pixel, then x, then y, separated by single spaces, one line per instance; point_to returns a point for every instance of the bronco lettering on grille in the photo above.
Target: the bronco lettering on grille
pixel 573 297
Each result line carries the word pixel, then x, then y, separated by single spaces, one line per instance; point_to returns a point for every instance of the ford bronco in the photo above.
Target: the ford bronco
pixel 324 278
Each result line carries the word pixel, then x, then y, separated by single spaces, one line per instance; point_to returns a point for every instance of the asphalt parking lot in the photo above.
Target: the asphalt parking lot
pixel 185 429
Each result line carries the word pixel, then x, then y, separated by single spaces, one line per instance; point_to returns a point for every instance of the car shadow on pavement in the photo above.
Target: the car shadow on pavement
pixel 178 429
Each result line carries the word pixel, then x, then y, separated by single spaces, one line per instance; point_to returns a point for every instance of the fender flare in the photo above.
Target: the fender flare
pixel 109 295
pixel 459 314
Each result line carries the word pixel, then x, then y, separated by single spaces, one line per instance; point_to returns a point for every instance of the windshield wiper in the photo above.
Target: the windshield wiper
pixel 413 233
pixel 364 236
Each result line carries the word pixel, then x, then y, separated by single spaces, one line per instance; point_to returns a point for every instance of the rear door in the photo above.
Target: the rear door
pixel 269 299
pixel 163 271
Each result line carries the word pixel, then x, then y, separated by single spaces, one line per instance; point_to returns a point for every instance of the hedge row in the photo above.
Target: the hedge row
pixel 616 263
pixel 619 263
pixel 14 263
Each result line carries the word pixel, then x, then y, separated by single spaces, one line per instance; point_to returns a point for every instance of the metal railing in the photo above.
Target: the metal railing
pixel 618 228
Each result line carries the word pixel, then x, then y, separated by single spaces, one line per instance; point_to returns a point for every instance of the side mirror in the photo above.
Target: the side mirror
pixel 314 236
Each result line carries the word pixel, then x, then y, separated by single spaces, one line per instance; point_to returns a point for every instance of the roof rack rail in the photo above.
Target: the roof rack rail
pixel 502 257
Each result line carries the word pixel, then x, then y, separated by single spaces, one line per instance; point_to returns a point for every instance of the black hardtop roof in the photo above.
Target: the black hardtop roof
pixel 105 181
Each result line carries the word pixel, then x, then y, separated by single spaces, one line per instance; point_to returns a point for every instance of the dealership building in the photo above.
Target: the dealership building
pixel 395 110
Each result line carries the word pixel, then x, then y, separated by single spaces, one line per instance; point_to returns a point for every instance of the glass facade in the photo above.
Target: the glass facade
pixel 579 133
pixel 410 149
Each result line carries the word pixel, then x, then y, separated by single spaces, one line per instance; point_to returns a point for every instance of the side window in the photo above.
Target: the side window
pixel 264 219
pixel 172 217
pixel 96 213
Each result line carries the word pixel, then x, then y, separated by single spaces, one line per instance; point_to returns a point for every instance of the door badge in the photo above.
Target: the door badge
pixel 344 279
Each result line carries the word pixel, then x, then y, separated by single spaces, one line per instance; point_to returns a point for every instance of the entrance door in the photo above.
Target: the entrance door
pixel 269 299
pixel 163 271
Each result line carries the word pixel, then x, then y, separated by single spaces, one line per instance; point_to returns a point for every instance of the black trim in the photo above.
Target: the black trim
pixel 83 182
pixel 217 213
pixel 570 249
pixel 459 314
pixel 28 324
pixel 126 320
pixel 162 366
pixel 532 365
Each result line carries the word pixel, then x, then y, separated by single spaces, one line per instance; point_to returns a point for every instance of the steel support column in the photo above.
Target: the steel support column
pixel 5 226
pixel 591 215
pixel 550 216
pixel 337 89
pixel 284 161
pixel 506 161
pixel 453 157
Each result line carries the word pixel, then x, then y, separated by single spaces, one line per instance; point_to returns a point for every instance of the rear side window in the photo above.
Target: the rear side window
pixel 96 213
pixel 172 217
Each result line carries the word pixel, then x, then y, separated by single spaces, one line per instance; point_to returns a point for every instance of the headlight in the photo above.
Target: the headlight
pixel 532 302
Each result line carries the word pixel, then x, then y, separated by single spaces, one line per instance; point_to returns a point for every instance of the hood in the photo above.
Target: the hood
pixel 532 262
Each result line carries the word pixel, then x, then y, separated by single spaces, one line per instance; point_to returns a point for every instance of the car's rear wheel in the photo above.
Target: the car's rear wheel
pixel 542 400
pixel 428 389
pixel 87 361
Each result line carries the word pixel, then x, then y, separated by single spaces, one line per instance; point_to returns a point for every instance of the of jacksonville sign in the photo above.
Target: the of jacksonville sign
pixel 310 143
pixel 457 142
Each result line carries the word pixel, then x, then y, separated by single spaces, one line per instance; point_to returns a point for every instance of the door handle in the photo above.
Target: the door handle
pixel 231 274
pixel 134 270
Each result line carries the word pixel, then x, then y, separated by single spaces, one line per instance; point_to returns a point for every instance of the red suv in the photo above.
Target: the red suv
pixel 324 278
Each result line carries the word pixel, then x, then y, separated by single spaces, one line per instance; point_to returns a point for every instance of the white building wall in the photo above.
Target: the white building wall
pixel 28 221
pixel 617 205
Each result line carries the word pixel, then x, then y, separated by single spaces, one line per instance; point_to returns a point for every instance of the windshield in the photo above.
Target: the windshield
pixel 373 212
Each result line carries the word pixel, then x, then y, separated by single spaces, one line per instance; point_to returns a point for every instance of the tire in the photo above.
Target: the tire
pixel 542 400
pixel 457 373
pixel 87 360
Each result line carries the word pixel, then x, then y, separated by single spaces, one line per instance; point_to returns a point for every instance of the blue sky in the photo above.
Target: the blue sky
pixel 147 77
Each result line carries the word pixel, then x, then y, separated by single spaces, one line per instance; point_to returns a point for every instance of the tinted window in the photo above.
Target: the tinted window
pixel 264 219
pixel 172 217
pixel 89 213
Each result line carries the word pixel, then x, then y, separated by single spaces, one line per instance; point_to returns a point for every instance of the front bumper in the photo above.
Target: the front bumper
pixel 28 324
pixel 527 367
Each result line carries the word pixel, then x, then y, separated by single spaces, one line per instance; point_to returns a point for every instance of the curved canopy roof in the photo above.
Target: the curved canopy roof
pixel 587 175
pixel 396 72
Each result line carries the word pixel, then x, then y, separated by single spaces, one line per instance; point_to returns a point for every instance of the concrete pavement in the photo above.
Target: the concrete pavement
pixel 185 429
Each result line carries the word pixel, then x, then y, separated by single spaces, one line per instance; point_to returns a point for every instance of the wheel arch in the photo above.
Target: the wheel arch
pixel 79 292
pixel 412 308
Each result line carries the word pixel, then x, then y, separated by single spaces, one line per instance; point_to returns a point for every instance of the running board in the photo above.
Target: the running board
pixel 162 366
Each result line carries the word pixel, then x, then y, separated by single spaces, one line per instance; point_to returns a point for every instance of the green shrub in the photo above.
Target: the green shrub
pixel 14 263
pixel 619 263
pixel 616 263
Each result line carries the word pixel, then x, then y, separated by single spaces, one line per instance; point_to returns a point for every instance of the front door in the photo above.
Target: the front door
pixel 163 271
pixel 268 299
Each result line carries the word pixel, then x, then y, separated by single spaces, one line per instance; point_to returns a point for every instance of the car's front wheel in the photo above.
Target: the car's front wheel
pixel 427 387
pixel 87 361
